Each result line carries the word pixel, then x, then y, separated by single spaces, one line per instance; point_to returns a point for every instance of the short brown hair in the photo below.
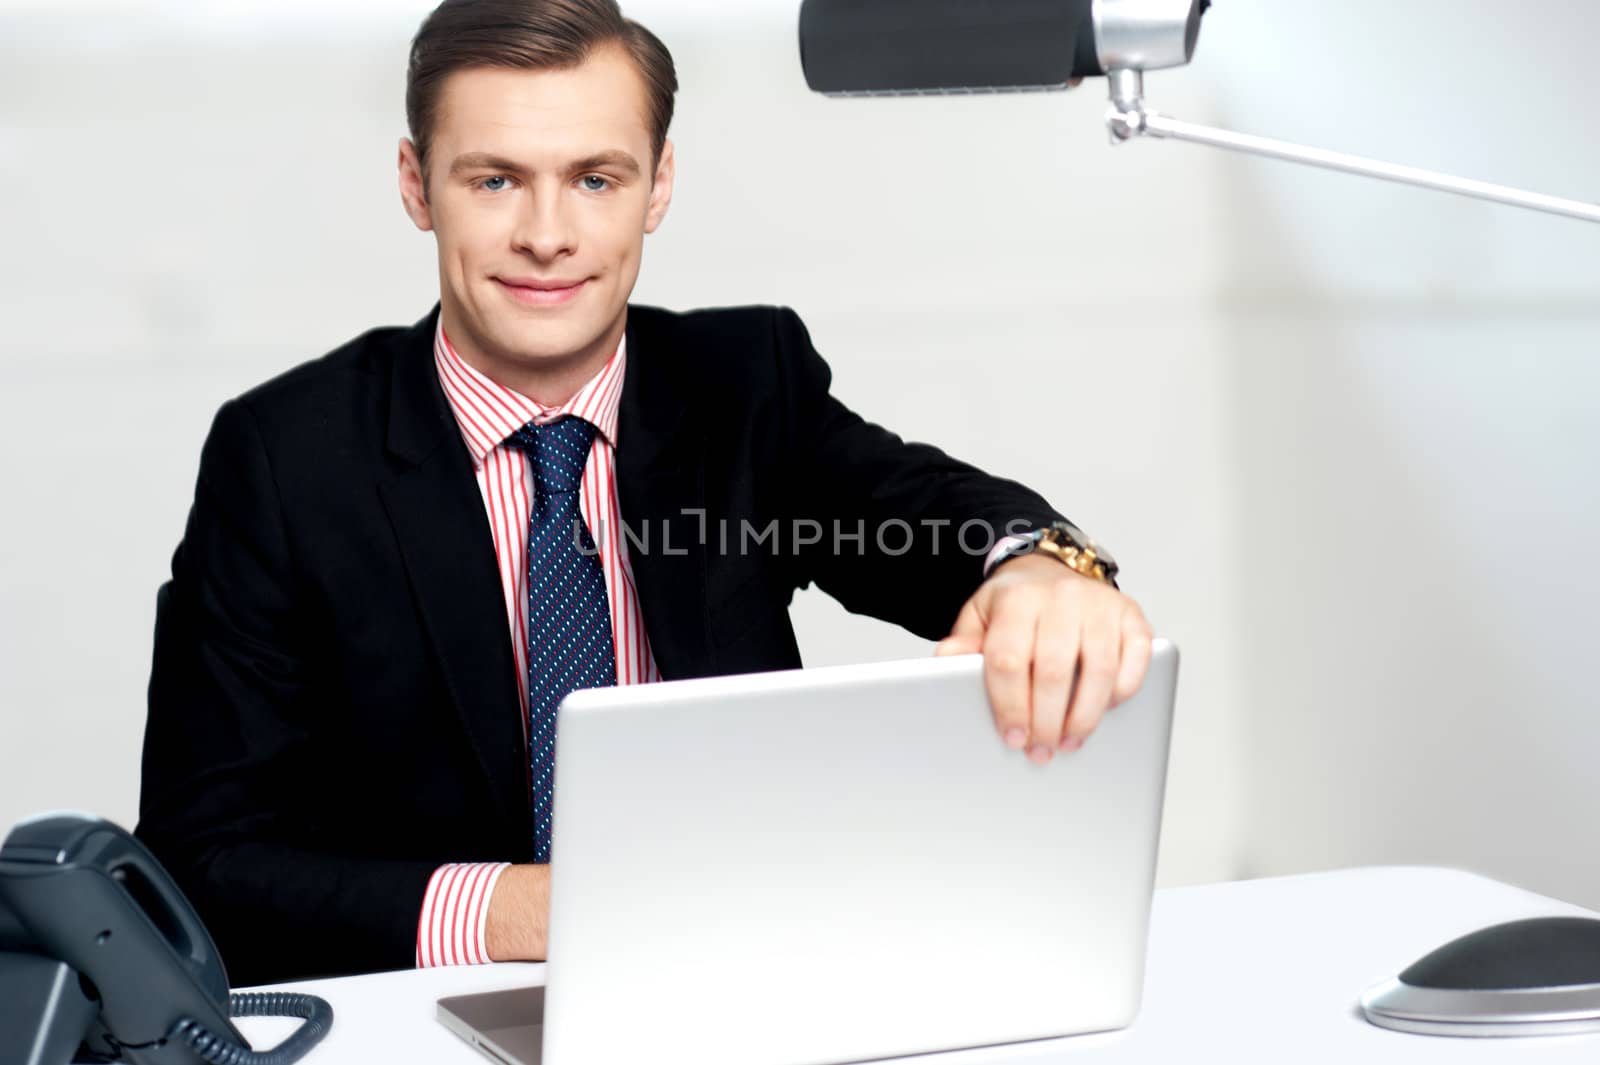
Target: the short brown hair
pixel 528 35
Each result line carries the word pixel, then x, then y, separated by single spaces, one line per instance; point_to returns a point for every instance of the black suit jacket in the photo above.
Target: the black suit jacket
pixel 333 708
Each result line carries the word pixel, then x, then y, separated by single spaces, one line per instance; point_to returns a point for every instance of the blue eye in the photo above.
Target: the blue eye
pixel 484 184
pixel 596 177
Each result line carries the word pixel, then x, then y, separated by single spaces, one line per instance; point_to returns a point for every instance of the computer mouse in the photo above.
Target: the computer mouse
pixel 1539 976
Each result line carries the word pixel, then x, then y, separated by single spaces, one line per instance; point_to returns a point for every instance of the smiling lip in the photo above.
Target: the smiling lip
pixel 532 292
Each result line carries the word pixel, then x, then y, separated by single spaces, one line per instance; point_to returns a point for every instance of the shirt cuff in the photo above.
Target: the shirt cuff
pixel 455 914
pixel 999 551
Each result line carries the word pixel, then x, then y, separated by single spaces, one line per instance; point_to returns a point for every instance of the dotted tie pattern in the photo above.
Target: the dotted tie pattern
pixel 570 644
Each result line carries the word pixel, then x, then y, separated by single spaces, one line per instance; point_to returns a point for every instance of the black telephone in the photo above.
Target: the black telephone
pixel 102 959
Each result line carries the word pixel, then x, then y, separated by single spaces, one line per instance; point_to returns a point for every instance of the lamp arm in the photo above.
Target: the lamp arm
pixel 1130 118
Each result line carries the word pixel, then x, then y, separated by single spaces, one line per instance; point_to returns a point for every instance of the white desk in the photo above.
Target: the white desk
pixel 1257 971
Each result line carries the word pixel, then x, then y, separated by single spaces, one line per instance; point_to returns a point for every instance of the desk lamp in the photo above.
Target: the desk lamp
pixel 932 47
pixel 1533 977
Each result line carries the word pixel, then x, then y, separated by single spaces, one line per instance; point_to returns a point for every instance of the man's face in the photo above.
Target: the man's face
pixel 539 178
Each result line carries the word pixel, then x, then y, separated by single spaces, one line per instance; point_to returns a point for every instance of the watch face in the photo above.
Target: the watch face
pixel 1081 540
pixel 1074 534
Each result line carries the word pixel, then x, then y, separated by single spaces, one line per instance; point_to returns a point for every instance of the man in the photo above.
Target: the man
pixel 401 556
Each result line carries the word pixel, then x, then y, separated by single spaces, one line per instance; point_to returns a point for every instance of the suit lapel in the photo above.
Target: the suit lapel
pixel 437 512
pixel 661 489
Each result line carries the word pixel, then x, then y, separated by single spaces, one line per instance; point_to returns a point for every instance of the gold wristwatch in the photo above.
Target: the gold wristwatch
pixel 1069 545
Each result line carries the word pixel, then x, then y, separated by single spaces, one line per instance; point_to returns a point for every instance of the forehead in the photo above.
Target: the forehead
pixel 600 103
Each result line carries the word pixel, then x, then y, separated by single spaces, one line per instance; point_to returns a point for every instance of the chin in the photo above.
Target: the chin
pixel 550 338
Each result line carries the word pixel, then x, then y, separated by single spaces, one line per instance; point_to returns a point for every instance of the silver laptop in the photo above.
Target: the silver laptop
pixel 833 865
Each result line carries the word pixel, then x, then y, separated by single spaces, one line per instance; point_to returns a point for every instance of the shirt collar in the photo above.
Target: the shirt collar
pixel 488 412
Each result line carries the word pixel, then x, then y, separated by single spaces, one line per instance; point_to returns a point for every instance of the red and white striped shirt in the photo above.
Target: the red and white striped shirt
pixel 451 928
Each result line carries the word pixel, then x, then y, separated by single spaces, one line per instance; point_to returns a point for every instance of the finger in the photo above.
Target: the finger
pixel 1136 640
pixel 966 637
pixel 1007 647
pixel 1097 672
pixel 1055 662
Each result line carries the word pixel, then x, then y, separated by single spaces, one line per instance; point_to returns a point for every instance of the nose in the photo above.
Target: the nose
pixel 544 227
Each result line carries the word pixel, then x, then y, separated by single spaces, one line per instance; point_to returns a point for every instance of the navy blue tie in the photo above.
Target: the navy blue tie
pixel 569 618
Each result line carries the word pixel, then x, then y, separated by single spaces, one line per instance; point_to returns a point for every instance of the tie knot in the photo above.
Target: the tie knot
pixel 558 451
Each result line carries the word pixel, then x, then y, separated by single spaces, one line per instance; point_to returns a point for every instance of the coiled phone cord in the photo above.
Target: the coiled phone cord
pixel 316 1012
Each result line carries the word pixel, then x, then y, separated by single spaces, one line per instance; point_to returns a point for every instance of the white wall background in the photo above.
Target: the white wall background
pixel 1343 435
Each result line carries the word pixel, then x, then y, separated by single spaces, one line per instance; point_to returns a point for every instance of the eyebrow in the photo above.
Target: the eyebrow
pixel 489 161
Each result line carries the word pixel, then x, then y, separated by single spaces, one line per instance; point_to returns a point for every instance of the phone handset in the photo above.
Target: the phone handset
pixel 85 895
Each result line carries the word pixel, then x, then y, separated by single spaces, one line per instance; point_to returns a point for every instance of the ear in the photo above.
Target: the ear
pixel 660 190
pixel 413 186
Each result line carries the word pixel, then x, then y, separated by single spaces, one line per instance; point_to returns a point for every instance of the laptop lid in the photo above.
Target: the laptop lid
pixel 840 864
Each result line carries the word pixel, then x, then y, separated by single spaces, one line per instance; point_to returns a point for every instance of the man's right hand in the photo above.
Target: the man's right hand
pixel 519 915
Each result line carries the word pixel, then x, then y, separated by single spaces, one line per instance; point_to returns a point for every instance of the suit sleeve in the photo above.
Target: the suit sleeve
pixel 927 522
pixel 233 728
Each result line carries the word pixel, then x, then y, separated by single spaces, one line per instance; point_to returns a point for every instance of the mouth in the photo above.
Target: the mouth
pixel 534 292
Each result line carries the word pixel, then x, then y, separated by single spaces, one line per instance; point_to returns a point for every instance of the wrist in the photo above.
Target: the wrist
pixel 1066 545
pixel 518 923
pixel 1028 562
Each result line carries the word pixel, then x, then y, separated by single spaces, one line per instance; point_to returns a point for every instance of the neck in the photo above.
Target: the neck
pixel 552 381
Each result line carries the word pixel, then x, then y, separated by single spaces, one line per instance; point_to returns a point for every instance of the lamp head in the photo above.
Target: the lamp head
pixel 918 47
